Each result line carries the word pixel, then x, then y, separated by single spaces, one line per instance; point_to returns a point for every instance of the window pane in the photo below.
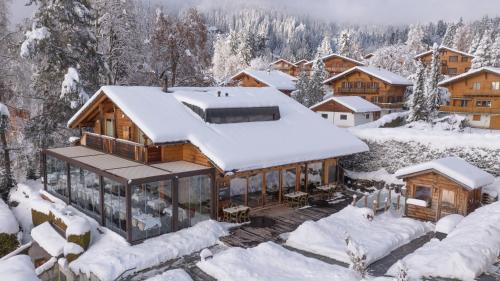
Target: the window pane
pixel 448 197
pixel 332 173
pixel 255 191
pixel 194 200
pixel 423 193
pixel 57 181
pixel 272 186
pixel 238 190
pixel 289 179
pixel 314 175
pixel 115 209
pixel 85 191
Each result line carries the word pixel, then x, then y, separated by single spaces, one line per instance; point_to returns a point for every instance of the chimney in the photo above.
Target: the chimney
pixel 218 94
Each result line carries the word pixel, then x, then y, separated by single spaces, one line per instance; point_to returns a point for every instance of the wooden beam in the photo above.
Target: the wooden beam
pixel 115 132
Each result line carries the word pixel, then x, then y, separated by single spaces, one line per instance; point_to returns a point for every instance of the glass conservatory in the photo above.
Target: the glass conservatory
pixel 135 200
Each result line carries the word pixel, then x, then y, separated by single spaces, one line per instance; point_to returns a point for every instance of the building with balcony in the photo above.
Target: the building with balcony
pixel 379 86
pixel 334 64
pixel 280 80
pixel 347 111
pixel 475 95
pixel 152 162
pixel 453 62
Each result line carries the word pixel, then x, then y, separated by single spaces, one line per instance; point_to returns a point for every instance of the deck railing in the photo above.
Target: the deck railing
pixel 469 109
pixel 356 90
pixel 123 148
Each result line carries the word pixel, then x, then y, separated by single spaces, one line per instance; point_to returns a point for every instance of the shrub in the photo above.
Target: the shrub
pixel 38 217
pixel 8 243
pixel 82 240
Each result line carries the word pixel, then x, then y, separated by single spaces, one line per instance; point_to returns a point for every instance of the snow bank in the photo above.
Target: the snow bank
pixel 388 118
pixel 110 255
pixel 448 223
pixel 468 250
pixel 8 223
pixel 171 275
pixel 378 237
pixel 18 268
pixel 269 261
pixel 46 236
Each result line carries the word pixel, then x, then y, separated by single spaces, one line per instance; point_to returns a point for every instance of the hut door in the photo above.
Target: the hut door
pixel 448 202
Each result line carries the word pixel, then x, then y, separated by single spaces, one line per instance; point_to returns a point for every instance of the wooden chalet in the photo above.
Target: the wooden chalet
pixel 347 111
pixel 441 187
pixel 152 162
pixel 475 95
pixel 285 83
pixel 335 64
pixel 285 66
pixel 453 62
pixel 379 86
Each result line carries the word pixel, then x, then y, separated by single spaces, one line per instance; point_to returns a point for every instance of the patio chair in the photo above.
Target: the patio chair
pixel 234 217
pixel 244 216
pixel 303 201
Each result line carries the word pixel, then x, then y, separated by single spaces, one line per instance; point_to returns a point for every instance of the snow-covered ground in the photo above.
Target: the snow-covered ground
pixel 377 237
pixel 468 250
pixel 378 175
pixel 269 261
pixel 18 268
pixel 24 194
pixel 8 223
pixel 171 275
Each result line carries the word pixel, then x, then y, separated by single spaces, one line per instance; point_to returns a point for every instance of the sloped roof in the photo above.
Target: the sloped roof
pixel 354 103
pixel 300 61
pixel 445 48
pixel 299 135
pixel 495 70
pixel 338 56
pixel 283 60
pixel 272 78
pixel 382 74
pixel 455 168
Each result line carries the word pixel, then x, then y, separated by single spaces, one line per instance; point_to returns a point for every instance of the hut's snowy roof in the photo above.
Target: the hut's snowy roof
pixel 445 48
pixel 495 70
pixel 453 167
pixel 272 78
pixel 299 135
pixel 283 60
pixel 382 74
pixel 337 56
pixel 48 238
pixel 354 103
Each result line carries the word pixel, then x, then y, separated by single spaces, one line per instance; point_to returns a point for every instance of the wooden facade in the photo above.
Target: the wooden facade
pixel 245 80
pixel 369 87
pixel 335 64
pixel 286 67
pixel 476 96
pixel 453 62
pixel 443 195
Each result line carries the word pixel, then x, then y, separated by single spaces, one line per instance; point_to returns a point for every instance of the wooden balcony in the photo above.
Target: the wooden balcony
pixel 341 91
pixel 123 148
pixel 397 105
pixel 469 109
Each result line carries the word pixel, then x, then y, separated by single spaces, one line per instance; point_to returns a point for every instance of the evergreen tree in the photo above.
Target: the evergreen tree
pixel 495 52
pixel 417 103
pixel 345 43
pixel 316 90
pixel 462 38
pixel 324 48
pixel 301 94
pixel 415 39
pixel 483 55
pixel 432 89
pixel 60 39
pixel 449 36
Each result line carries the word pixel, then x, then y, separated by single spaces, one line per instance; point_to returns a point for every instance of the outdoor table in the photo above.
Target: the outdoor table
pixel 295 198
pixel 234 212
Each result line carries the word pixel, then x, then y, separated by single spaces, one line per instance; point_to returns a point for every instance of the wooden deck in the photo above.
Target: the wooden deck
pixel 269 224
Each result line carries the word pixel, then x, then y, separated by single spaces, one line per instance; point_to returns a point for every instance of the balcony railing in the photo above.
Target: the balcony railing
pixel 123 148
pixel 469 109
pixel 356 90
pixel 396 105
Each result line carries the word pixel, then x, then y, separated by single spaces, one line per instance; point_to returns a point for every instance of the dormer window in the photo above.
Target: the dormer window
pixel 236 114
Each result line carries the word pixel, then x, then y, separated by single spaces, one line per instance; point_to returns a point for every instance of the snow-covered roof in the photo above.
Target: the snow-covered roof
pixel 338 56
pixel 382 74
pixel 354 103
pixel 299 135
pixel 48 238
pixel 283 60
pixel 495 70
pixel 8 223
pixel 300 61
pixel 445 48
pixel 272 78
pixel 453 167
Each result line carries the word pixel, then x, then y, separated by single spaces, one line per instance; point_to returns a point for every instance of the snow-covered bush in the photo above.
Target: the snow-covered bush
pixel 357 256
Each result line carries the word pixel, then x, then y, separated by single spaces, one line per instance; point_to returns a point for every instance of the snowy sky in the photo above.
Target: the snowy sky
pixel 350 11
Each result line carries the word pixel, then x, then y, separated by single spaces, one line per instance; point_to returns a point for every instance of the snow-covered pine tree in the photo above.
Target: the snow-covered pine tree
pixel 495 52
pixel 316 89
pixel 415 39
pixel 224 62
pixel 324 48
pixel 462 39
pixel 417 103
pixel 61 38
pixel 344 43
pixel 301 94
pixel 432 89
pixel 449 36
pixel 483 55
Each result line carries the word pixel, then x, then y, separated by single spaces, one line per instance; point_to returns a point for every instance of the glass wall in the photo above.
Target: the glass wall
pixel 115 207
pixel 289 180
pixel 152 209
pixel 255 191
pixel 238 190
pixel 57 179
pixel 272 186
pixel 314 176
pixel 85 190
pixel 303 187
pixel 332 172
pixel 194 200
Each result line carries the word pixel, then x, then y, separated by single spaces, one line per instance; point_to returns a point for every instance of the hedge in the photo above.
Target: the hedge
pixel 8 243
